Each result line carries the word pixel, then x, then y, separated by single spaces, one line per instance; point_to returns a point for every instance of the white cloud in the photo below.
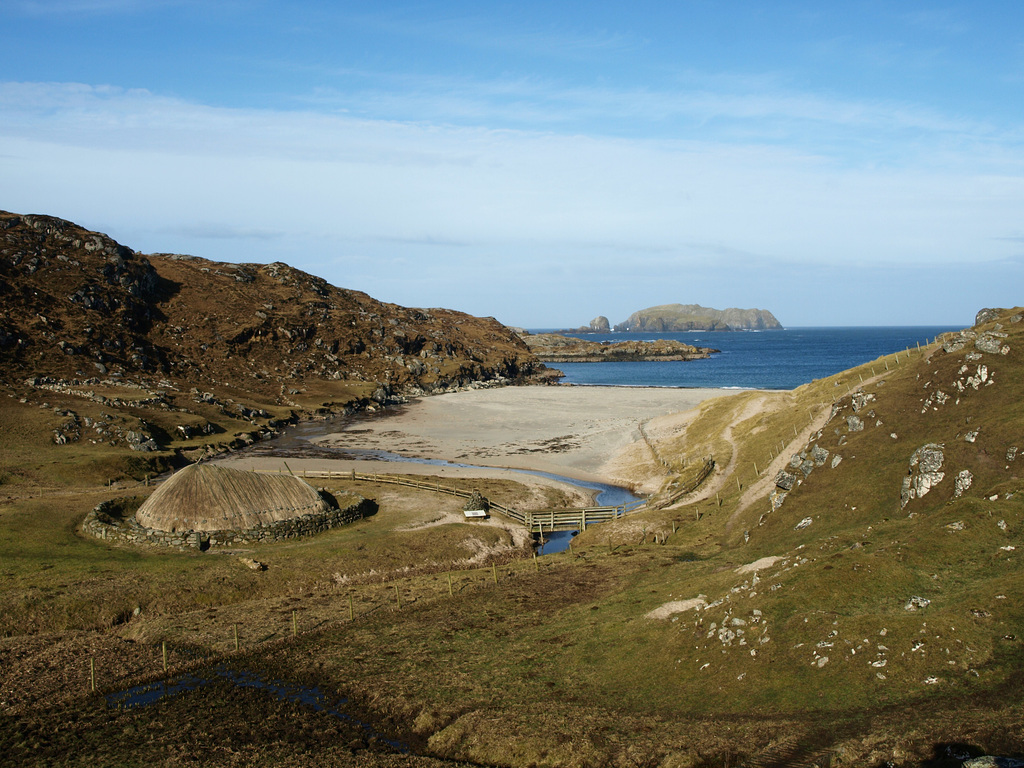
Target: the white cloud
pixel 493 213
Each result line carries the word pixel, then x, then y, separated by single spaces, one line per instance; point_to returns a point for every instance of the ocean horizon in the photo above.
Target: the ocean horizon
pixel 779 359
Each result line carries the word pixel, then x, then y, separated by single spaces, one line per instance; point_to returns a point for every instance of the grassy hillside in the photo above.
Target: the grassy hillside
pixel 848 623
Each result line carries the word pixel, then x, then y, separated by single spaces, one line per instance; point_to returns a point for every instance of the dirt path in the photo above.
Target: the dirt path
pixel 764 485
pixel 718 478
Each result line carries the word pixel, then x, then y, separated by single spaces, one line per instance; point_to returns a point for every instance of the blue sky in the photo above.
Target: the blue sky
pixel 839 163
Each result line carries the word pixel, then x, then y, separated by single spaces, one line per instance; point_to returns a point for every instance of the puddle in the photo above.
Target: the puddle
pixel 312 697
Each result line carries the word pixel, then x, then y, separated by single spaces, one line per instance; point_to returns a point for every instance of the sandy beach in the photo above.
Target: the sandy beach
pixel 573 431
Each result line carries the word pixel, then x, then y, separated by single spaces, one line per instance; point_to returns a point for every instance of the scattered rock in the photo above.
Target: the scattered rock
pixel 915 603
pixel 989 761
pixel 991 343
pixel 819 455
pixel 854 423
pixel 803 523
pixel 963 482
pixel 860 399
pixel 785 480
pixel 252 565
pixel 928 461
pixel 140 441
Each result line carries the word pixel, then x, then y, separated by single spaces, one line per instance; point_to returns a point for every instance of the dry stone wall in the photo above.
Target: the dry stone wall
pixel 104 523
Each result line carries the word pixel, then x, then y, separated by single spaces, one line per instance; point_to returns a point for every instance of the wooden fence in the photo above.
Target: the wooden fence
pixel 535 521
pixel 706 469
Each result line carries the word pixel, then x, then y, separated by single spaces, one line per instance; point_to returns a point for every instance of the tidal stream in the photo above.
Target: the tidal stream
pixel 297 441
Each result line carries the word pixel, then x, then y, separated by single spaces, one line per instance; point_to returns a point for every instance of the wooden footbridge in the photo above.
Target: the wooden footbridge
pixel 541 522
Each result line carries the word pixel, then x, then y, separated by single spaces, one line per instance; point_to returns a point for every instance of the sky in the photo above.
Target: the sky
pixel 544 163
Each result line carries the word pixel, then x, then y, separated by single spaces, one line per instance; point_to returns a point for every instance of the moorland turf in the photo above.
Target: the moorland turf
pixel 843 626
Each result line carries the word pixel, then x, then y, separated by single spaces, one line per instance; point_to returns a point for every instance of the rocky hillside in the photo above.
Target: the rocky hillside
pixel 668 318
pixel 853 558
pixel 81 313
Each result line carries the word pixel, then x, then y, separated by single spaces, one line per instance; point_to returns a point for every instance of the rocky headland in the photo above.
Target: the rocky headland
pixel 557 348
pixel 157 354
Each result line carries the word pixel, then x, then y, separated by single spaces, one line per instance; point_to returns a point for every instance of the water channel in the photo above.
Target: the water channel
pixel 297 441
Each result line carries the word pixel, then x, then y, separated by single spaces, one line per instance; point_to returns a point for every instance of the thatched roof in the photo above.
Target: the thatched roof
pixel 203 497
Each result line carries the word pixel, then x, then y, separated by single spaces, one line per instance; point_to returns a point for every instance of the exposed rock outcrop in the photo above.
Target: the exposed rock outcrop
pixel 926 461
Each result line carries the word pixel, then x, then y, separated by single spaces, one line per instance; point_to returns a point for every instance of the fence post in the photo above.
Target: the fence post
pixel 92 673
pixel 163 646
pixel 234 627
pixel 351 610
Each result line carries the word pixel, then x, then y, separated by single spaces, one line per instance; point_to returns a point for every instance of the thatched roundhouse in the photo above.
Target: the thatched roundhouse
pixel 203 497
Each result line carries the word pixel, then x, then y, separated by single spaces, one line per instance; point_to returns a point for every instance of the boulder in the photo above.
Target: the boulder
pixel 963 482
pixel 991 343
pixel 916 603
pixel 927 461
pixel 986 315
pixel 785 480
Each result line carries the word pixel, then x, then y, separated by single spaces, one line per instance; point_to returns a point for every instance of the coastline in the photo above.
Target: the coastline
pixel 573 431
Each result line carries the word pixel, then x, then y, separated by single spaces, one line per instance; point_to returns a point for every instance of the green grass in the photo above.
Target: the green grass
pixel 556 663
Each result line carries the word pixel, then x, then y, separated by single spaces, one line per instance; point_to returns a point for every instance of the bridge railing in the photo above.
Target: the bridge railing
pixel 535 521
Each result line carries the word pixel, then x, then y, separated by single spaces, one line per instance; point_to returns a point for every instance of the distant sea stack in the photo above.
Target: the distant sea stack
pixel 599 324
pixel 669 318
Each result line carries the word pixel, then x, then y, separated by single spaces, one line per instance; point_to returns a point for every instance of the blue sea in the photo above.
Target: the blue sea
pixel 752 359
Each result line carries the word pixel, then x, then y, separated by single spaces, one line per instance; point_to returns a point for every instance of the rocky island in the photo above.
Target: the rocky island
pixel 556 348
pixel 669 318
